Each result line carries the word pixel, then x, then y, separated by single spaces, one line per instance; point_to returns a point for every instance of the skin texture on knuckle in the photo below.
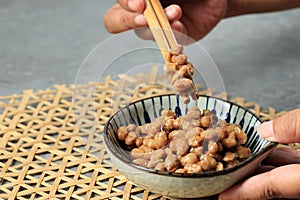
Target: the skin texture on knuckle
pixel 127 23
pixel 270 190
pixel 287 186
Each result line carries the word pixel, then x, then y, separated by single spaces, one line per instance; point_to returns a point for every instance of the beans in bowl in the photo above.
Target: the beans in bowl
pixel 195 142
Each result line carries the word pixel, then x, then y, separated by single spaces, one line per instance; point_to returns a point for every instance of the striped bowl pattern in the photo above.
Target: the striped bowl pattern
pixel 176 185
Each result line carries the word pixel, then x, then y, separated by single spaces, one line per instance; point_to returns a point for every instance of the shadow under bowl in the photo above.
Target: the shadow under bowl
pixel 176 185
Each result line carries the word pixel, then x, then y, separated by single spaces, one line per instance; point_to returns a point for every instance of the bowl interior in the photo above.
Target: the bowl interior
pixel 144 111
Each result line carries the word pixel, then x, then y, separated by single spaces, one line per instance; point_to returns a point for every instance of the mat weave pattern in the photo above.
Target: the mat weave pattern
pixel 51 145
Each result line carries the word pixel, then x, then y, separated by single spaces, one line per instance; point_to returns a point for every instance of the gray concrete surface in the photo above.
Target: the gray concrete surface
pixel 43 42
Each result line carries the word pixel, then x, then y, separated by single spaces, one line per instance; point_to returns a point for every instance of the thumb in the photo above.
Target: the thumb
pixel 284 129
pixel 281 182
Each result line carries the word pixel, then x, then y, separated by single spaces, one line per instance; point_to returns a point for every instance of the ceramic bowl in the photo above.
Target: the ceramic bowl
pixel 177 185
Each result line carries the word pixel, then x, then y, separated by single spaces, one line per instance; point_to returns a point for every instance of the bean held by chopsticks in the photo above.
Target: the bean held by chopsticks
pixel 180 73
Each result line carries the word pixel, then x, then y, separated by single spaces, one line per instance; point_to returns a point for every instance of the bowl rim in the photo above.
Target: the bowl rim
pixel 264 150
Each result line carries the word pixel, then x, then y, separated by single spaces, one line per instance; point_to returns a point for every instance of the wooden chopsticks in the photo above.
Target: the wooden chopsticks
pixel 160 27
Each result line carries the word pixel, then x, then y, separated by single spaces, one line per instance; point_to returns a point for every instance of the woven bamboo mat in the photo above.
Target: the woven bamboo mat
pixel 51 145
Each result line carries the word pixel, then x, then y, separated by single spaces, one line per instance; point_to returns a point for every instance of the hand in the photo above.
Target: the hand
pixel 279 175
pixel 195 18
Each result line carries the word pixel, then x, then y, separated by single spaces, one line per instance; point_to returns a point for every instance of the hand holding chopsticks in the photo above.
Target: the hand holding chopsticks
pixel 179 70
pixel 160 26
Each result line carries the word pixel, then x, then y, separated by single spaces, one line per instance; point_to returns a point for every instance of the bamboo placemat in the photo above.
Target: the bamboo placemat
pixel 51 145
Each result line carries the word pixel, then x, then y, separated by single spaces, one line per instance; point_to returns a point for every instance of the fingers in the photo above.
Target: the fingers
pixel 283 156
pixel 173 13
pixel 285 129
pixel 124 16
pixel 118 19
pixel 178 26
pixel 127 15
pixel 282 182
pixel 137 6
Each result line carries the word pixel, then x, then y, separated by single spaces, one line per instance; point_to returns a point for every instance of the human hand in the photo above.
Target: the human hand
pixel 279 175
pixel 193 17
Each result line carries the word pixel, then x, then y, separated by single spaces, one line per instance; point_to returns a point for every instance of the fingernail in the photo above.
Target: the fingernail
pixel 171 12
pixel 266 130
pixel 140 20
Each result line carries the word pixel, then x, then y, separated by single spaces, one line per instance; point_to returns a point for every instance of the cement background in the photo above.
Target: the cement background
pixel 43 42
